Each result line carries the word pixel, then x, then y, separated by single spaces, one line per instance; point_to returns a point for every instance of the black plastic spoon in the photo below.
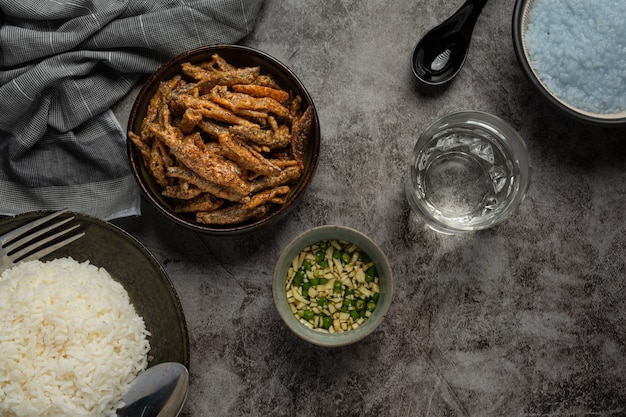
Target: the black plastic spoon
pixel 440 54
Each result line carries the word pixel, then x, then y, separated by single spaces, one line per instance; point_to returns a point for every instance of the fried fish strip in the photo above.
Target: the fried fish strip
pixel 154 113
pixel 253 114
pixel 203 202
pixel 212 128
pixel 216 148
pixel 286 176
pixel 181 191
pixel 207 78
pixel 190 120
pixel 240 152
pixel 159 161
pixel 238 101
pixel 164 122
pixel 144 148
pixel 217 62
pixel 266 81
pixel 143 140
pixel 260 91
pixel 267 196
pixel 300 135
pixel 207 186
pixel 213 168
pixel 284 163
pixel 234 214
pixel 295 107
pixel 272 139
pixel 155 105
pixel 213 111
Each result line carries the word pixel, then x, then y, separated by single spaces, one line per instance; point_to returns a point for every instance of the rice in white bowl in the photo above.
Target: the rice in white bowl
pixel 70 340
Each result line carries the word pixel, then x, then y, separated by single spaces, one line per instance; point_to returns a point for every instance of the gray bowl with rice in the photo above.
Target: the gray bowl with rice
pixel 72 341
pixel 574 62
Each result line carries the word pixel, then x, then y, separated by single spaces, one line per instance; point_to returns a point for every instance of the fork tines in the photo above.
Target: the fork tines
pixel 14 243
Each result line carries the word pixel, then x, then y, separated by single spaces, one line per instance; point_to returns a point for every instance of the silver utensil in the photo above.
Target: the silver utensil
pixel 23 243
pixel 159 391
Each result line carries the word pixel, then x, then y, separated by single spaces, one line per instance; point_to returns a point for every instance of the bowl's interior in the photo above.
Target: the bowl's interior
pixel 129 262
pixel 521 17
pixel 316 235
pixel 242 57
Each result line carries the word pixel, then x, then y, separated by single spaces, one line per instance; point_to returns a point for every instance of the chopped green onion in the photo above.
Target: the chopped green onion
pixel 348 301
pixel 299 278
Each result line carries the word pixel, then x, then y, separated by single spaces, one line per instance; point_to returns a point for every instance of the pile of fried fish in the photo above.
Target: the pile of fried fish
pixel 224 143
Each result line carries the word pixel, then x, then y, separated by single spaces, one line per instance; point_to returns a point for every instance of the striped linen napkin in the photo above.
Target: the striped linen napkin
pixel 63 64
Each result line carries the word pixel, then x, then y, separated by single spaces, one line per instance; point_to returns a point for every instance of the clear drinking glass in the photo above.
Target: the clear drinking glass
pixel 469 171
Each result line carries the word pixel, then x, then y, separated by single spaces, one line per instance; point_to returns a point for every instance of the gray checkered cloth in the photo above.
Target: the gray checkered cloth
pixel 63 64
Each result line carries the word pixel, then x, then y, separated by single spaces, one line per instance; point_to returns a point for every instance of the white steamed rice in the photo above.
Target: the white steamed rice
pixel 577 48
pixel 70 340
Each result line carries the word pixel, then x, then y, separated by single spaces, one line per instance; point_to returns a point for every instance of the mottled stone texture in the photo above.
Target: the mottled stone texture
pixel 527 319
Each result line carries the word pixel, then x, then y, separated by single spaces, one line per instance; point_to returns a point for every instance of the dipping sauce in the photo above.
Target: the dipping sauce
pixel 332 286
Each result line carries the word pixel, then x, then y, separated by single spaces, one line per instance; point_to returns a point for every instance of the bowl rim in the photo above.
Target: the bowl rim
pixel 136 162
pixel 309 237
pixel 519 11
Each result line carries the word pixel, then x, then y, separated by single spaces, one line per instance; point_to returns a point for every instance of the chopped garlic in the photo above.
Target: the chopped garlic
pixel 342 285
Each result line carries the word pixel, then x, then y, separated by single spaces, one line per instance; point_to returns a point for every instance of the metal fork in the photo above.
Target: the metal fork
pixel 12 244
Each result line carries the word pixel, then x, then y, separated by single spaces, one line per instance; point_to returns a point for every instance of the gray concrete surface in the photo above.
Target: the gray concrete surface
pixel 526 319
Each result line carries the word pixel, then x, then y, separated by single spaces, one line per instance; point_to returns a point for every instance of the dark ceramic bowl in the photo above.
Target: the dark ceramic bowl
pixel 316 235
pixel 520 22
pixel 129 262
pixel 239 56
